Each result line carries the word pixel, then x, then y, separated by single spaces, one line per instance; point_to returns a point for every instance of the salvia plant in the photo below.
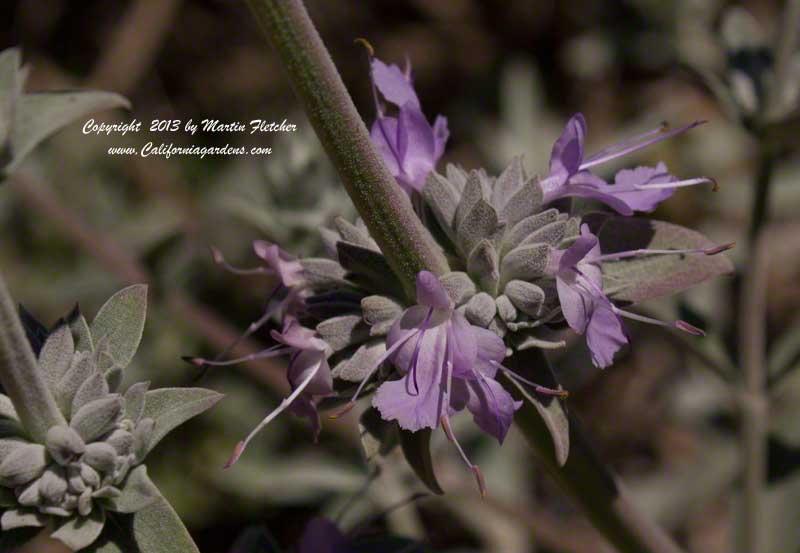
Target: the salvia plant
pixel 522 265
pixel 83 474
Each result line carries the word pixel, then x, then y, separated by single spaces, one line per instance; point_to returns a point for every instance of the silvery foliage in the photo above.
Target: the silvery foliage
pixel 27 119
pixel 93 466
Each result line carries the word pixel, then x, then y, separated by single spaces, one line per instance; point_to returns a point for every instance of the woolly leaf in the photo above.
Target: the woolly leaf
pixel 97 417
pixel 481 309
pixel 357 366
pixel 138 492
pixel 483 265
pixel 134 400
pixel 7 445
pixel 351 233
pixel 94 387
pixel 341 332
pixel 526 227
pixel 552 234
pixel 23 464
pixel 7 409
pixel 80 330
pixel 458 286
pixel 380 313
pixel 508 183
pixel 171 407
pixel 480 223
pixel 473 193
pixel 19 518
pixel 641 278
pixel 322 274
pixel 80 532
pixel 64 444
pixel 120 321
pixel 56 355
pixel 525 296
pixel 442 200
pixel 39 115
pixel 525 262
pixel 417 450
pixel 523 204
pixel 158 529
pixel 81 369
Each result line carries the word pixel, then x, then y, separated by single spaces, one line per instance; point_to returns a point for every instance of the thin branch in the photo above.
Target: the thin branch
pixel 754 399
pixel 408 246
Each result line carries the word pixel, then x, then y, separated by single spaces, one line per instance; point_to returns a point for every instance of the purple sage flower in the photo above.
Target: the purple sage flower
pixel 410 146
pixel 308 373
pixel 447 365
pixel 586 308
pixel 640 189
pixel 288 296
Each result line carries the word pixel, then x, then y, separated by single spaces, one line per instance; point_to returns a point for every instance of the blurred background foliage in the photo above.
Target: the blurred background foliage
pixel 78 224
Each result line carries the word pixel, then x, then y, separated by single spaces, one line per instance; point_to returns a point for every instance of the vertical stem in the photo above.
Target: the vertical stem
pixel 761 195
pixel 20 376
pixel 752 322
pixel 386 209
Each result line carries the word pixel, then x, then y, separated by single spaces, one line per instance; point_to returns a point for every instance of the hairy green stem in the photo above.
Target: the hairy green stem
pixel 20 376
pixel 585 478
pixel 386 209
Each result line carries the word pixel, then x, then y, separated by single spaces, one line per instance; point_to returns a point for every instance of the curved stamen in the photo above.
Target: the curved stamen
pixel 663 127
pixel 273 351
pixel 240 447
pixel 219 259
pixel 350 404
pixel 679 324
pixel 445 420
pixel 636 147
pixel 714 250
pixel 539 389
pixel 679 184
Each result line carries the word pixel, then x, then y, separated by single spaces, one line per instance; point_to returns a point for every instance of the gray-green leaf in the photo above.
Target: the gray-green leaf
pixel 641 278
pixel 40 115
pixel 56 355
pixel 80 532
pixel 121 321
pixel 171 407
pixel 138 492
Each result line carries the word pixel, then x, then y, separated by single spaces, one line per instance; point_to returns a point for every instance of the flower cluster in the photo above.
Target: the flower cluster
pixel 523 268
